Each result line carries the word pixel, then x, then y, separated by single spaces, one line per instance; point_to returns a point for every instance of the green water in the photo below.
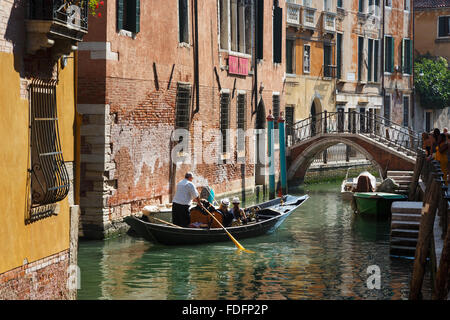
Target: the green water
pixel 322 251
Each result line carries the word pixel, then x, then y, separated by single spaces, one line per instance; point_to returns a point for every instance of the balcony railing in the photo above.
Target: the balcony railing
pixel 329 71
pixel 73 13
pixel 56 24
pixel 329 22
pixel 293 14
pixel 309 18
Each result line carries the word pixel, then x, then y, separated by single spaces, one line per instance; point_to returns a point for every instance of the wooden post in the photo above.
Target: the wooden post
pixel 425 236
pixel 417 171
pixel 441 287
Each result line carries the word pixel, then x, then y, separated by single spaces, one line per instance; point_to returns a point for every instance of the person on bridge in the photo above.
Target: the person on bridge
pixel 186 192
pixel 441 155
pixel 427 143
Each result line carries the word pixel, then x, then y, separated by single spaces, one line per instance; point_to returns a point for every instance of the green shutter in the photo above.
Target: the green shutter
pixel 392 54
pixel 133 15
pixel 119 15
pixel 137 25
pixel 403 60
pixel 369 60
pixel 277 34
pixel 375 62
pixel 410 47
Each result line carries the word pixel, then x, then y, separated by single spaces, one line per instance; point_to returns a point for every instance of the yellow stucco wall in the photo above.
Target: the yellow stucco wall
pixel 50 235
pixel 426 33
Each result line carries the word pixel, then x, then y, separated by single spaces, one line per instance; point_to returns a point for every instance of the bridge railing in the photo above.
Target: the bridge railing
pixel 363 123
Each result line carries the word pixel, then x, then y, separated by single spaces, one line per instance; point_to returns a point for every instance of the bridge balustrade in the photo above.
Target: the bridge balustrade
pixel 367 124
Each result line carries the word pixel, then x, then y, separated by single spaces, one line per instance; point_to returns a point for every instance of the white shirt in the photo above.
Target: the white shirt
pixel 186 191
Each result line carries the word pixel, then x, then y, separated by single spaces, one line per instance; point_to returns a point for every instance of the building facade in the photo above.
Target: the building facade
pixel 310 58
pixel 358 57
pixel 39 216
pixel 431 37
pixel 397 55
pixel 148 73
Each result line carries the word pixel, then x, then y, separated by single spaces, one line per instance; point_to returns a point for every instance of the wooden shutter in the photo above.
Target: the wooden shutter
pixel 392 54
pixel 339 55
pixel 137 15
pixel 119 15
pixel 403 57
pixel 133 15
pixel 276 109
pixel 260 29
pixel 183 102
pixel 277 34
pixel 224 118
pixel 375 62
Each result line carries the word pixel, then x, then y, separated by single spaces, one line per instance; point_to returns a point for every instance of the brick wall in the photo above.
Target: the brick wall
pixel 45 279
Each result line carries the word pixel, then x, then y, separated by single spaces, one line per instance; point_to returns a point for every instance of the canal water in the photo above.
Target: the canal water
pixel 322 251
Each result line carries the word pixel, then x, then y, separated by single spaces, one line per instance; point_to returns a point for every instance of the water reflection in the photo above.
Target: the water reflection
pixel 322 251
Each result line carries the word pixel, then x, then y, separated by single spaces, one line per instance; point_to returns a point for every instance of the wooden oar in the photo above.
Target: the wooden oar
pixel 162 221
pixel 238 245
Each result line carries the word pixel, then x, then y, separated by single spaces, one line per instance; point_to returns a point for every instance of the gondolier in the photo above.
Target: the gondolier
pixel 186 192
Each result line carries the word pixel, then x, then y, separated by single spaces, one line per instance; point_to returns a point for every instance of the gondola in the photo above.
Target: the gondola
pixel 270 215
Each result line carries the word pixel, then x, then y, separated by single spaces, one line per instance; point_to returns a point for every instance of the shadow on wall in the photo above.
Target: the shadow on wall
pixel 39 65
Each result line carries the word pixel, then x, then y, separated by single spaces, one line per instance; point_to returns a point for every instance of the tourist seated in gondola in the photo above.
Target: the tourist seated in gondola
pixel 238 213
pixel 225 212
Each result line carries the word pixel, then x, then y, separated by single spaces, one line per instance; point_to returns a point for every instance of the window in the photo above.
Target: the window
pixel 372 60
pixel 277 34
pixel 128 15
pixel 388 3
pixel 224 119
pixel 235 25
pixel 339 55
pixel 389 54
pixel 428 118
pixel 405 111
pixel 360 57
pixel 290 56
pixel 339 3
pixel 276 109
pixel 307 3
pixel 183 21
pixel 374 7
pixel 387 109
pixel 306 58
pixel 289 127
pixel 183 102
pixel 361 6
pixel 444 27
pixel 49 177
pixel 241 121
pixel 407 62
pixel 327 63
pixel 327 5
pixel 407 5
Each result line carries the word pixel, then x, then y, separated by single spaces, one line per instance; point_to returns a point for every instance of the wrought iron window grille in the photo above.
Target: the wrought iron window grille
pixel 48 173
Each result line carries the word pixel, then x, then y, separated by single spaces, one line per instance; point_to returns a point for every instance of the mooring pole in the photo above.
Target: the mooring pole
pixel 282 134
pixel 271 151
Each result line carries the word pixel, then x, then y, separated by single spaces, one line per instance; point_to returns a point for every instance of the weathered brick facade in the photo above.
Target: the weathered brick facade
pixel 127 97
pixel 45 279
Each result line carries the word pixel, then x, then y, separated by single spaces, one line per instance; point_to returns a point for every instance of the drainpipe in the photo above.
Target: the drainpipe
pixel 196 72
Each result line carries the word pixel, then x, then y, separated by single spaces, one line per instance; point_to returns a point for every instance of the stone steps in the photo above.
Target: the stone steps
pixel 405 224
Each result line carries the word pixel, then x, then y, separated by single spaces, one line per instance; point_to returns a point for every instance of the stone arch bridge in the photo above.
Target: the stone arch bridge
pixel 387 145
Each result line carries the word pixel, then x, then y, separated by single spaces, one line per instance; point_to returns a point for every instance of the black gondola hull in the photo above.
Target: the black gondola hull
pixel 170 235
